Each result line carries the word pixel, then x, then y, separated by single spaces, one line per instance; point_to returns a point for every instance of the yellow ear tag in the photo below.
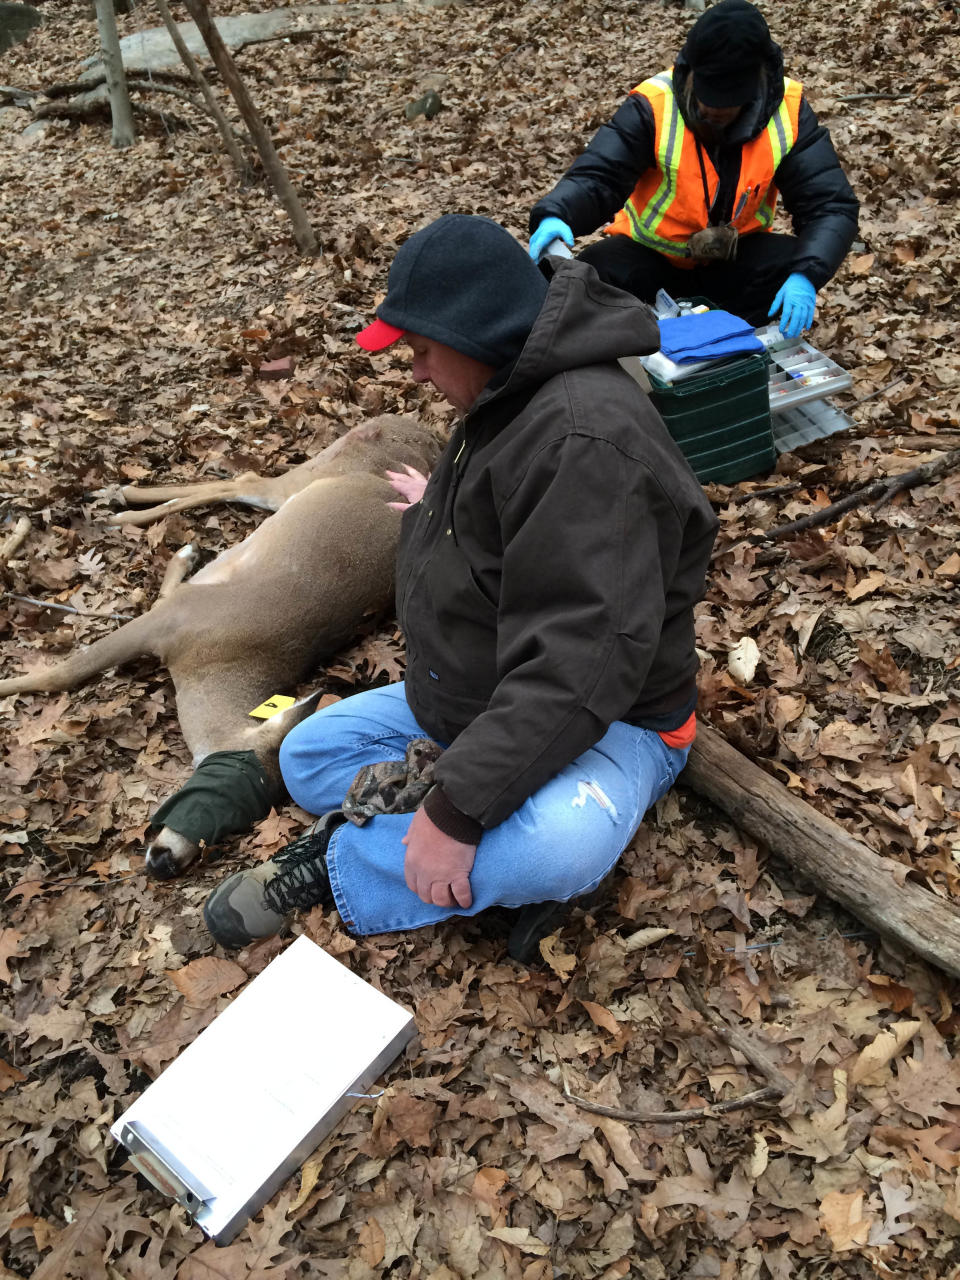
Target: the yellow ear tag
pixel 273 706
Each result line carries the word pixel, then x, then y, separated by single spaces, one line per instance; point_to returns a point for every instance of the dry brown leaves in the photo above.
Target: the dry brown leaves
pixel 143 291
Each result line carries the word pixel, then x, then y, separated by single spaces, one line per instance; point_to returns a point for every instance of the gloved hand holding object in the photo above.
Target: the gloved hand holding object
pixel 550 229
pixel 798 298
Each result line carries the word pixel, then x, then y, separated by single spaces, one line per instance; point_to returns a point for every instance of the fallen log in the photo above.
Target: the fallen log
pixel 97 103
pixel 18 97
pixel 836 863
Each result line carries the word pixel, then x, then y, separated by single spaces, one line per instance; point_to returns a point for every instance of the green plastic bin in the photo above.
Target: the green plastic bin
pixel 721 419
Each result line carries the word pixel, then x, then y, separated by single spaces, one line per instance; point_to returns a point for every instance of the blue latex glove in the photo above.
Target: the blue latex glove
pixel 798 298
pixel 549 229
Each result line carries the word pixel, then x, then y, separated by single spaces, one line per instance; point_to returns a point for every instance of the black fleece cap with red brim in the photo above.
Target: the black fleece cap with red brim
pixel 463 281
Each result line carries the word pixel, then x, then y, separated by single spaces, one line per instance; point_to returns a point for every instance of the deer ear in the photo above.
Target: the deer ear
pixel 373 428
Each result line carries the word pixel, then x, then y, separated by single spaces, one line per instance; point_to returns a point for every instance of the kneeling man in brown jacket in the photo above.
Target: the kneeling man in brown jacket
pixel 546 581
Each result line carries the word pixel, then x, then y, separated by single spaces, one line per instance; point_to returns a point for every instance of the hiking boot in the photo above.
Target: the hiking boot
pixel 256 903
pixel 537 920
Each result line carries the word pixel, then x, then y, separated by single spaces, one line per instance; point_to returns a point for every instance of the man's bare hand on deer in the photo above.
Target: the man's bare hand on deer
pixel 409 483
pixel 437 867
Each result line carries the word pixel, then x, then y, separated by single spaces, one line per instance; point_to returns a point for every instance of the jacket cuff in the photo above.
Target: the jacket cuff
pixel 453 822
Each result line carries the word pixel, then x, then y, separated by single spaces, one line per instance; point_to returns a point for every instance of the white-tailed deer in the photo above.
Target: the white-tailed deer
pixel 256 620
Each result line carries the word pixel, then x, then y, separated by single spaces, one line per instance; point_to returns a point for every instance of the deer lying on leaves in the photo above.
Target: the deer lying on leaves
pixel 256 620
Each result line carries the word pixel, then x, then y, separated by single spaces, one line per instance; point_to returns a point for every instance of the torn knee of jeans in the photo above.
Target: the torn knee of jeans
pixel 587 789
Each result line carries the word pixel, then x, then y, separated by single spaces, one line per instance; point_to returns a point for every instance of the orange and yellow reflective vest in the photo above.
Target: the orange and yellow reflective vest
pixel 669 203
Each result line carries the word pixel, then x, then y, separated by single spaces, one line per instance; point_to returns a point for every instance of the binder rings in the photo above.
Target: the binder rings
pixel 224 1126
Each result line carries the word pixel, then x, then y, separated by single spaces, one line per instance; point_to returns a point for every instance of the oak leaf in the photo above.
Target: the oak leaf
pixel 521 1239
pixel 897 1201
pixel 372 1242
pixel 881 1050
pixel 842 1217
pixel 928 1085
pixel 544 1100
pixel 201 981
pixel 64 1025
pixel 10 940
pixel 561 962
pixel 413 1120
pixel 9 1075
pixel 602 1017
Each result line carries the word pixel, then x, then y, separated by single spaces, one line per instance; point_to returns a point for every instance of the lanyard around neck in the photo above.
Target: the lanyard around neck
pixel 703 179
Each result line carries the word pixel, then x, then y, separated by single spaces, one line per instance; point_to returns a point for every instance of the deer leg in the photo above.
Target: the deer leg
pixel 184 497
pixel 170 852
pixel 182 563
pixel 144 495
pixel 220 493
pixel 129 641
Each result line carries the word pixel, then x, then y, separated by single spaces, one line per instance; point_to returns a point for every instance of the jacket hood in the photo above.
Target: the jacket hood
pixel 582 322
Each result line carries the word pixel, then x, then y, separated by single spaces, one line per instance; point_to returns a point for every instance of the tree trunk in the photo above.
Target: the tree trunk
pixel 124 133
pixel 223 124
pixel 273 165
pixel 840 866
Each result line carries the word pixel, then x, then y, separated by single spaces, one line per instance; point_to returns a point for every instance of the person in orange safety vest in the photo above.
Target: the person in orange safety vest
pixel 688 174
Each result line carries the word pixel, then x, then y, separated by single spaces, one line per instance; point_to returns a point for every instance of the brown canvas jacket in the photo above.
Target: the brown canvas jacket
pixel 546 580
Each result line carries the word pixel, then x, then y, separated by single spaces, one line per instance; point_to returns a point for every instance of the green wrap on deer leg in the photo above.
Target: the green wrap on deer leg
pixel 228 793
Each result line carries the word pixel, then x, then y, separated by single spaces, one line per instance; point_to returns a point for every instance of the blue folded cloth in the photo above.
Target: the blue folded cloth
pixel 707 336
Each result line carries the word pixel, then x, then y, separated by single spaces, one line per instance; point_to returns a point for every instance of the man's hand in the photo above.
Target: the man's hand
pixel 437 868
pixel 409 483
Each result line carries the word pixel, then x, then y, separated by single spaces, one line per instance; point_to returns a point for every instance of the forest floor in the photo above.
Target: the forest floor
pixel 142 290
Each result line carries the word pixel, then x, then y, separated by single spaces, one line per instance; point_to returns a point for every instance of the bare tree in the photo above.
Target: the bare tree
pixel 124 133
pixel 230 140
pixel 273 165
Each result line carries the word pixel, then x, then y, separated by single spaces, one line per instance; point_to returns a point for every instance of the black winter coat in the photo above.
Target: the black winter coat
pixel 813 186
pixel 547 578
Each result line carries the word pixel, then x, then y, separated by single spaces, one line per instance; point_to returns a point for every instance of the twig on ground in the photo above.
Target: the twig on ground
pixel 877 97
pixel 166 118
pixel 881 491
pixel 69 608
pixel 872 395
pixel 766 1094
pixel 290 33
pixel 14 540
pixel 942 440
pixel 153 86
pixel 97 103
pixel 781 555
pixel 739 1040
pixel 775 491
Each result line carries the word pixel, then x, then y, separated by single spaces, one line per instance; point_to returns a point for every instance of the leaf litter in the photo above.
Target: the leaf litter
pixel 145 293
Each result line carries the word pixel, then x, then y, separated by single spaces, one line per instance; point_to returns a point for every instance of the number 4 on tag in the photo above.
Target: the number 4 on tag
pixel 273 706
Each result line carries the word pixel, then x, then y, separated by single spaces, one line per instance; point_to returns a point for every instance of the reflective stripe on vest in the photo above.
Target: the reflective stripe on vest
pixel 667 205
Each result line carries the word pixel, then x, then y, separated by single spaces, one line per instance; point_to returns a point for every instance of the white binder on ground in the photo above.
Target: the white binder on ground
pixel 224 1126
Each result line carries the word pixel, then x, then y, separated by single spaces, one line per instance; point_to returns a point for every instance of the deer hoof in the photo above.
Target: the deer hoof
pixel 169 854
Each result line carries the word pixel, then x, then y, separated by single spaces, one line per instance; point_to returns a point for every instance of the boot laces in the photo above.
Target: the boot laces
pixel 301 881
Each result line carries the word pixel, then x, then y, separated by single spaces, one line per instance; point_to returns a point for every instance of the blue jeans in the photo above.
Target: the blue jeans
pixel 558 845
